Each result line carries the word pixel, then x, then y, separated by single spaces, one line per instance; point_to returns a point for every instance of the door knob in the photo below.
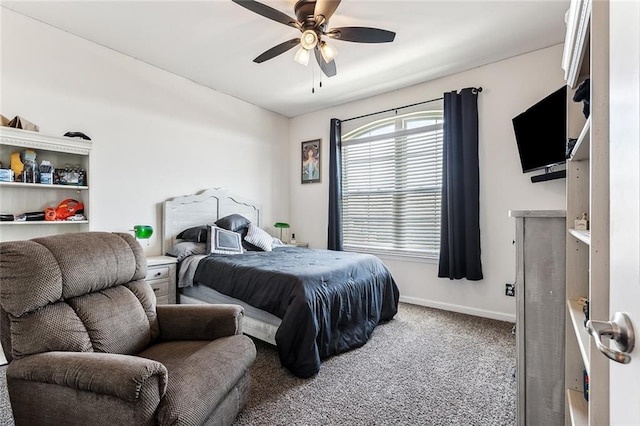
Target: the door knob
pixel 620 330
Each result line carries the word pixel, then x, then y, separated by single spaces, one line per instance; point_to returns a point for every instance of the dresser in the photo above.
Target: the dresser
pixel 161 276
pixel 540 315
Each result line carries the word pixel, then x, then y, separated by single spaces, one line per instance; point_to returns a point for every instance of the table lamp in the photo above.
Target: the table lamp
pixel 281 226
pixel 143 232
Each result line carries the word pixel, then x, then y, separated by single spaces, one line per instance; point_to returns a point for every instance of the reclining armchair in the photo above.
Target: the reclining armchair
pixel 87 344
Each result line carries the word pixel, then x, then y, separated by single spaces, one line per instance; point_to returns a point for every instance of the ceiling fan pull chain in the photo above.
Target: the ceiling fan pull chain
pixel 313 80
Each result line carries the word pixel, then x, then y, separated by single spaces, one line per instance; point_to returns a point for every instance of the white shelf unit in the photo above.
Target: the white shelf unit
pixel 581 148
pixel 577 407
pixel 45 223
pixel 42 186
pixel 586 56
pixel 577 321
pixel 584 236
pixel 19 197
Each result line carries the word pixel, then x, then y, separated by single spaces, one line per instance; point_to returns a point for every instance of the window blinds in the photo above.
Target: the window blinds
pixel 391 187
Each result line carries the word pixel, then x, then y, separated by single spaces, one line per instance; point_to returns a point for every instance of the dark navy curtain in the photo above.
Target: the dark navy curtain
pixel 460 215
pixel 334 241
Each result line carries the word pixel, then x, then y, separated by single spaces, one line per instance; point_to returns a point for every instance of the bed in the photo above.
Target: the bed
pixel 310 303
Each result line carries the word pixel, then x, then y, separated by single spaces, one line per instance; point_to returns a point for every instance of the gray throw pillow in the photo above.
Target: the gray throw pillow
pixel 222 241
pixel 183 249
pixel 233 222
pixel 197 234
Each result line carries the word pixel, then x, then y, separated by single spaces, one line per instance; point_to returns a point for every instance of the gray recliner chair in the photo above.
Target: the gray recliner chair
pixel 87 344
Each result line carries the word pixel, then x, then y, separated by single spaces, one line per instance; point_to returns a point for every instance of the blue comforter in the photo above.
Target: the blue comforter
pixel 329 301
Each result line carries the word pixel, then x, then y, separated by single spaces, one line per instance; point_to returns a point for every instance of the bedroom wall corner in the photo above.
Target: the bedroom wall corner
pixel 510 86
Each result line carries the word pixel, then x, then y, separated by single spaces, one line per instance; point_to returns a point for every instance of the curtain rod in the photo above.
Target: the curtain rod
pixel 477 89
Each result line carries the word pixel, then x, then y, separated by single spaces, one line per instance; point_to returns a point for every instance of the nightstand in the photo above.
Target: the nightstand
pixel 161 276
pixel 299 244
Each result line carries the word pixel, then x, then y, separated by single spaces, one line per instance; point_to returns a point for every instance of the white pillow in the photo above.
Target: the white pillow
pixel 259 238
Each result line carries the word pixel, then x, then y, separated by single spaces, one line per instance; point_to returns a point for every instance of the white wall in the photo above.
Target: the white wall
pixel 155 135
pixel 509 87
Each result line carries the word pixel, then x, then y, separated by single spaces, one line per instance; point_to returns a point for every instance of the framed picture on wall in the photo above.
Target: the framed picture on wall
pixel 310 161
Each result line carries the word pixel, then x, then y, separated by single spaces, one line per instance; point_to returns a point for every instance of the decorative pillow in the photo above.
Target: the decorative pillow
pixel 184 249
pixel 246 245
pixel 197 234
pixel 233 222
pixel 259 238
pixel 249 247
pixel 223 241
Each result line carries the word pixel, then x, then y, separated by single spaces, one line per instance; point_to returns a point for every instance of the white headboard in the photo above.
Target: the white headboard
pixel 203 208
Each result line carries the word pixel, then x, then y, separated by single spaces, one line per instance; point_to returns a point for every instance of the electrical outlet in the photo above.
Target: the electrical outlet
pixel 509 289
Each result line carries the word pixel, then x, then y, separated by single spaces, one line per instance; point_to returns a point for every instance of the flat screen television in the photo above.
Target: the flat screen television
pixel 541 132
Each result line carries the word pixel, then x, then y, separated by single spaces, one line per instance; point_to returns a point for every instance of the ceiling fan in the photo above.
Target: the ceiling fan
pixel 313 21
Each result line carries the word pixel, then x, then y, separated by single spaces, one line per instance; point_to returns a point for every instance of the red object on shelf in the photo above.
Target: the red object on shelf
pixel 49 214
pixel 68 208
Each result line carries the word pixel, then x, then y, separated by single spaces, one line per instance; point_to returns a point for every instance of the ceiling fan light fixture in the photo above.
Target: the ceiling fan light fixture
pixel 309 39
pixel 302 56
pixel 312 19
pixel 328 51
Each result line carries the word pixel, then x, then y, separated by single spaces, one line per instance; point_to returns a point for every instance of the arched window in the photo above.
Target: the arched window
pixel 391 185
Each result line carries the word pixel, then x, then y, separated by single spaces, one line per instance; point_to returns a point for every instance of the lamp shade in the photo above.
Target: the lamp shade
pixel 302 56
pixel 143 232
pixel 328 51
pixel 281 226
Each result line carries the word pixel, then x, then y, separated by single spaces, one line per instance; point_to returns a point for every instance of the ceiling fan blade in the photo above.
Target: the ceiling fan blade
pixel 361 34
pixel 329 69
pixel 268 12
pixel 325 8
pixel 277 50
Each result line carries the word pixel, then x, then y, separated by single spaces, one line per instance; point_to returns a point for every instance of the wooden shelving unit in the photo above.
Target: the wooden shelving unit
pixel 578 408
pixel 44 222
pixel 42 186
pixel 586 56
pixel 584 236
pixel 581 148
pixel 577 316
pixel 20 197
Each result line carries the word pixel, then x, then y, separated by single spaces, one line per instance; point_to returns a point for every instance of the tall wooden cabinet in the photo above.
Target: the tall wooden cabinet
pixel 587 56
pixel 540 315
pixel 17 197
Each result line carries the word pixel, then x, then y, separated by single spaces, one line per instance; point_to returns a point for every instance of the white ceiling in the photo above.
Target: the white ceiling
pixel 213 43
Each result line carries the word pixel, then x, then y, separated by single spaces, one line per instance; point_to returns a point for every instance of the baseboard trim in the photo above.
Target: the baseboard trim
pixel 459 308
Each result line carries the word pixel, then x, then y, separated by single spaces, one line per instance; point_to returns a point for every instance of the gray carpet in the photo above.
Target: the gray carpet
pixel 425 367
